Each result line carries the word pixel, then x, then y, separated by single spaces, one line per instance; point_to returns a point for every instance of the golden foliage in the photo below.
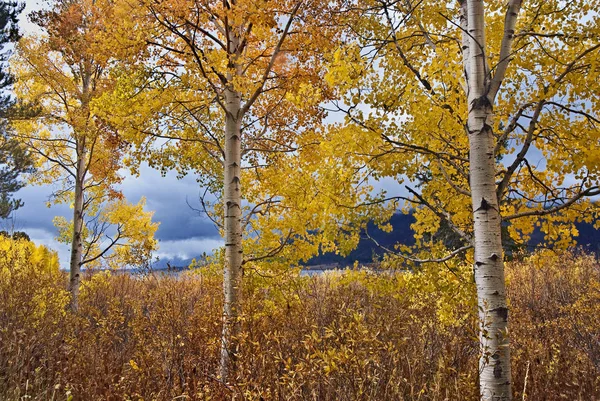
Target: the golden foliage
pixel 545 115
pixel 350 335
pixel 17 255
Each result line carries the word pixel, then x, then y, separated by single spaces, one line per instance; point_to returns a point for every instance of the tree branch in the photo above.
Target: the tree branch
pixel 510 20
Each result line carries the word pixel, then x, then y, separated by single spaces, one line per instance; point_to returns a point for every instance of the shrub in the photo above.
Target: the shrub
pixel 32 317
pixel 555 326
pixel 351 335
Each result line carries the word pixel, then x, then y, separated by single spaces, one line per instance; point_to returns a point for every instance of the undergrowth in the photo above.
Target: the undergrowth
pixel 352 335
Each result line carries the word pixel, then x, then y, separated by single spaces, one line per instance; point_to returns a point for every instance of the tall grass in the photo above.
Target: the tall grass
pixel 344 336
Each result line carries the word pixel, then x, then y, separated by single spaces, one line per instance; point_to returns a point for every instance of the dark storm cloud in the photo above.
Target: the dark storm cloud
pixel 183 232
pixel 36 213
pixel 168 197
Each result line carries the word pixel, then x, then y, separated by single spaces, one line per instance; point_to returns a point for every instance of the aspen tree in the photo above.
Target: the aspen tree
pixel 492 108
pixel 230 85
pixel 64 73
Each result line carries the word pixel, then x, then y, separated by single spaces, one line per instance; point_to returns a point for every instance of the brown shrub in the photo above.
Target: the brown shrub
pixel 354 335
pixel 555 326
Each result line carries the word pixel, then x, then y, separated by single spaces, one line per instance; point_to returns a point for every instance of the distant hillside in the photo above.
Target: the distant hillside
pixel 588 239
pixel 367 251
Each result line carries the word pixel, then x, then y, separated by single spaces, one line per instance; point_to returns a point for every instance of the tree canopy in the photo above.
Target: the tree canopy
pixel 14 157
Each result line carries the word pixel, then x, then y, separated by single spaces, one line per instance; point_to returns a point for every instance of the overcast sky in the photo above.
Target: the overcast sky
pixel 183 233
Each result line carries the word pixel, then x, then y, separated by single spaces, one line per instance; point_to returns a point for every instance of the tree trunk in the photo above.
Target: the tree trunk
pixel 494 360
pixel 232 198
pixel 77 237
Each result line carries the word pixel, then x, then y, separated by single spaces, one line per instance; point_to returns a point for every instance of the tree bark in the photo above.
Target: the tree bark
pixel 233 234
pixel 78 202
pixel 77 237
pixel 494 360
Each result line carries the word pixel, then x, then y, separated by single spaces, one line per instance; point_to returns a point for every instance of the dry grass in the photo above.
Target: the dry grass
pixel 348 336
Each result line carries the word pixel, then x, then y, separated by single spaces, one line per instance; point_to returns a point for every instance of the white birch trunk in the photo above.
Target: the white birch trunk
pixel 78 203
pixel 77 235
pixel 232 198
pixel 232 193
pixel 494 362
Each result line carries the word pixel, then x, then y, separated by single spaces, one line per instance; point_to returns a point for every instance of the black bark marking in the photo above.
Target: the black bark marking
pixel 502 313
pixel 478 263
pixel 498 371
pixel 485 205
pixel 481 102
pixel 494 257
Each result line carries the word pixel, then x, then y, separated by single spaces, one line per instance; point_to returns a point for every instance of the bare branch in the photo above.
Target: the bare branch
pixel 529 139
pixel 442 215
pixel 273 252
pixel 592 191
pixel 276 51
pixel 417 260
pixel 113 242
pixel 510 20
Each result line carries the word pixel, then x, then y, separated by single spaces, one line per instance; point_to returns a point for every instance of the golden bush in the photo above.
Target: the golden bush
pixel 351 335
